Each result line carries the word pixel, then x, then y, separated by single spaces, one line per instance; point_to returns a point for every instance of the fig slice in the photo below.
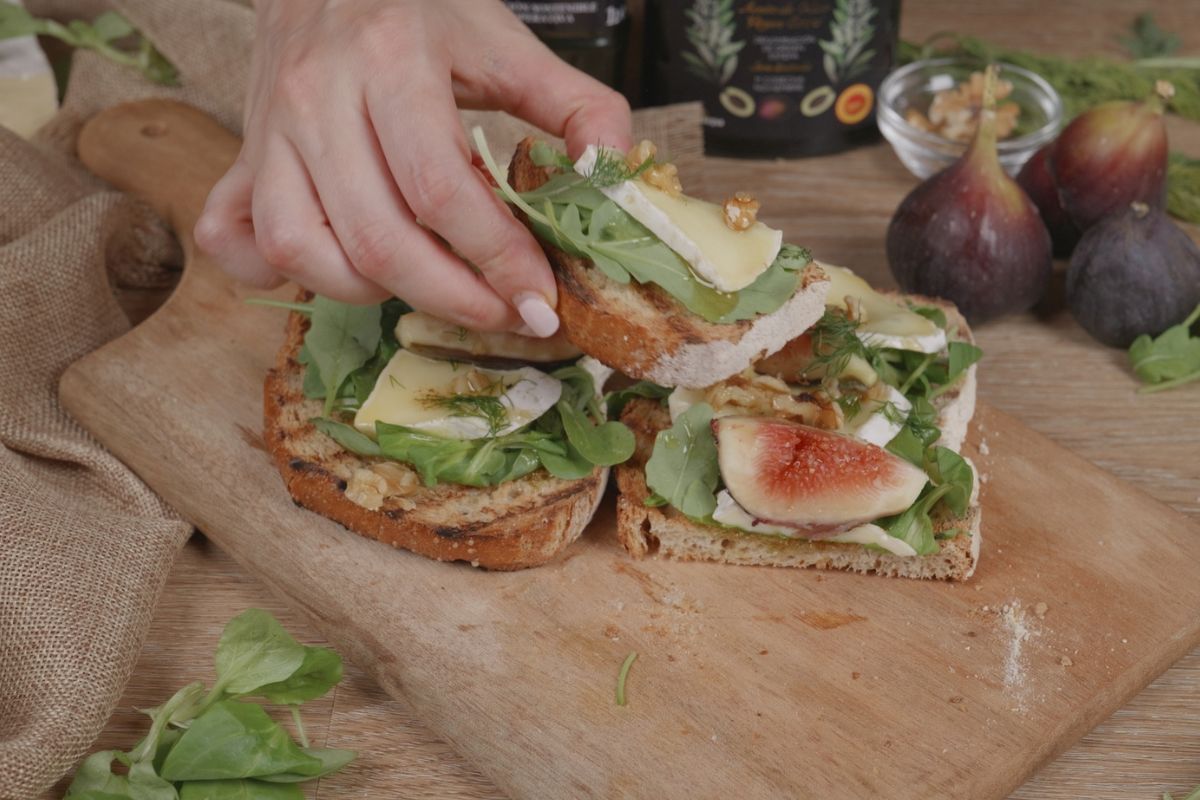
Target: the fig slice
pixel 803 477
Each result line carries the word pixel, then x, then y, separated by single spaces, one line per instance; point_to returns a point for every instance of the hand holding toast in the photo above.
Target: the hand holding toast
pixel 355 179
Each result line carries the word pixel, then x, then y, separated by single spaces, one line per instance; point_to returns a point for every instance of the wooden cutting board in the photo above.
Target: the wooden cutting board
pixel 749 682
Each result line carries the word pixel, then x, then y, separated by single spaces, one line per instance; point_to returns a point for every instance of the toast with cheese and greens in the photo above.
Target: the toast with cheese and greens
pixel 492 449
pixel 839 452
pixel 658 285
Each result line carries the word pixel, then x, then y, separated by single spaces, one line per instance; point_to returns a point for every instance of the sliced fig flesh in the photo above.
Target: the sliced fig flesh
pixel 791 474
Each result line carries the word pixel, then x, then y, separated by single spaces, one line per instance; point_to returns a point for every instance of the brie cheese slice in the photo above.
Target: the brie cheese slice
pixel 889 322
pixel 417 392
pixel 726 259
pixel 873 423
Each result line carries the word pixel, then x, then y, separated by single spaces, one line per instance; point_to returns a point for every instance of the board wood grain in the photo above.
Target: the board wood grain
pixel 750 682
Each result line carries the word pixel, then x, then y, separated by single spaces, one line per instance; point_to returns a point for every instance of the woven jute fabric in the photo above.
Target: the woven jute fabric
pixel 85 546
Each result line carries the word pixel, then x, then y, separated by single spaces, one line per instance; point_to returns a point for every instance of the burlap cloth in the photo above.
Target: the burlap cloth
pixel 85 546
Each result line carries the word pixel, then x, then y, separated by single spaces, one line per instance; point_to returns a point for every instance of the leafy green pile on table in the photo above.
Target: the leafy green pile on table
pixel 209 744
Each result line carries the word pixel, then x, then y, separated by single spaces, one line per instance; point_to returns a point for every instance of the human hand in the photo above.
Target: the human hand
pixel 355 177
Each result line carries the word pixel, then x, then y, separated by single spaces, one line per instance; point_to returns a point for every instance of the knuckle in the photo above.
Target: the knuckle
pixel 373 248
pixel 434 190
pixel 211 233
pixel 281 244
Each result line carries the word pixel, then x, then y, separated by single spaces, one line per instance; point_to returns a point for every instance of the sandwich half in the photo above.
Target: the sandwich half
pixel 838 452
pixel 491 449
pixel 659 285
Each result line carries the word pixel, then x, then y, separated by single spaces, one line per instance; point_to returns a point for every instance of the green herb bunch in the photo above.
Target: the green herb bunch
pixel 209 744
pixel 846 51
pixel 710 32
pixel 101 36
pixel 574 215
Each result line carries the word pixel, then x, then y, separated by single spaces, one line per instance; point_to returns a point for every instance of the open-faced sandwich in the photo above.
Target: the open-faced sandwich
pixel 840 451
pixel 661 286
pixel 486 448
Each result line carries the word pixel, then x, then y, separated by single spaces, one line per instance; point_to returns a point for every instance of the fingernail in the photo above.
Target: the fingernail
pixel 537 313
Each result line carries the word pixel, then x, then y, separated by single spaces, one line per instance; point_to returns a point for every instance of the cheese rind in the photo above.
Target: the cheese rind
pixel 726 259
pixel 405 392
pixel 728 512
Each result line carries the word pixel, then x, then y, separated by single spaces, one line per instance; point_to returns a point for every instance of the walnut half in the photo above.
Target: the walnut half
pixel 741 211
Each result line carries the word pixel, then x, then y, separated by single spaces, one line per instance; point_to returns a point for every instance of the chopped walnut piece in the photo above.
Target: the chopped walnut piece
pixel 387 480
pixel 741 211
pixel 639 153
pixel 367 489
pixel 954 113
pixel 664 177
pixel 752 393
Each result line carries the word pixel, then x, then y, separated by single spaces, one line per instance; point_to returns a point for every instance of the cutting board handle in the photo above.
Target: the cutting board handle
pixel 168 153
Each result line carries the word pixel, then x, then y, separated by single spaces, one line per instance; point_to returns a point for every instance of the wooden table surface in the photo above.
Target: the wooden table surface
pixel 1040 368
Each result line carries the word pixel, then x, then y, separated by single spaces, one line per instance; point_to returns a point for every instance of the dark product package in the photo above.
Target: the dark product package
pixel 590 35
pixel 777 79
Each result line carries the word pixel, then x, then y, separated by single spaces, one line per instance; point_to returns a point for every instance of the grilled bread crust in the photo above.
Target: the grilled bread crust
pixel 518 524
pixel 642 331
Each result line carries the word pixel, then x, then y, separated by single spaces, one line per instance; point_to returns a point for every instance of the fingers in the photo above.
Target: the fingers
pixel 292 235
pixel 428 157
pixel 383 241
pixel 532 83
pixel 225 232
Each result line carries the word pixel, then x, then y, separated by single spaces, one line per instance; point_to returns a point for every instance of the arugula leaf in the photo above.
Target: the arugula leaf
pixel 576 217
pixel 255 651
pixel 683 469
pixel 919 432
pixel 239 790
pixel 95 775
pixel 347 436
pixel 935 315
pixel 601 443
pixel 98 36
pixel 233 739
pixel 1172 359
pixel 948 470
pixel 914 527
pixel 616 401
pixel 341 339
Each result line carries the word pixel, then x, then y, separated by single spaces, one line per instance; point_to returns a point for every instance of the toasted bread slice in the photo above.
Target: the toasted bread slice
pixel 519 524
pixel 645 333
pixel 664 531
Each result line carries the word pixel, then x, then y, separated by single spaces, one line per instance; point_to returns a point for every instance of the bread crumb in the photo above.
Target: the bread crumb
pixel 1040 609
pixel 984 449
pixel 1065 661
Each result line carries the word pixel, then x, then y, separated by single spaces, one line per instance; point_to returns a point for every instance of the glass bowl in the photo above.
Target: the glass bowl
pixel 924 153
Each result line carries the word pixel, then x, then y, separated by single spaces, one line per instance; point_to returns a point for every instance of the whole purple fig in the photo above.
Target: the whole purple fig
pixel 1133 273
pixel 1038 183
pixel 970 234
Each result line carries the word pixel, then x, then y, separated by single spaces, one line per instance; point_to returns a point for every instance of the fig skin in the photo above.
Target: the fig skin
pixel 1133 273
pixel 1110 156
pixel 1037 182
pixel 971 235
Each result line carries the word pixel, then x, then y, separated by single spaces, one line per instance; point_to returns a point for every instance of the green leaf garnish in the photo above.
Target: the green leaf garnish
pixel 1168 360
pixel 623 675
pixel 99 36
pixel 683 469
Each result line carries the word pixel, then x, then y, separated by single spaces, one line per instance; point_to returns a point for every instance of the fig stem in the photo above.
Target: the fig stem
pixel 985 135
